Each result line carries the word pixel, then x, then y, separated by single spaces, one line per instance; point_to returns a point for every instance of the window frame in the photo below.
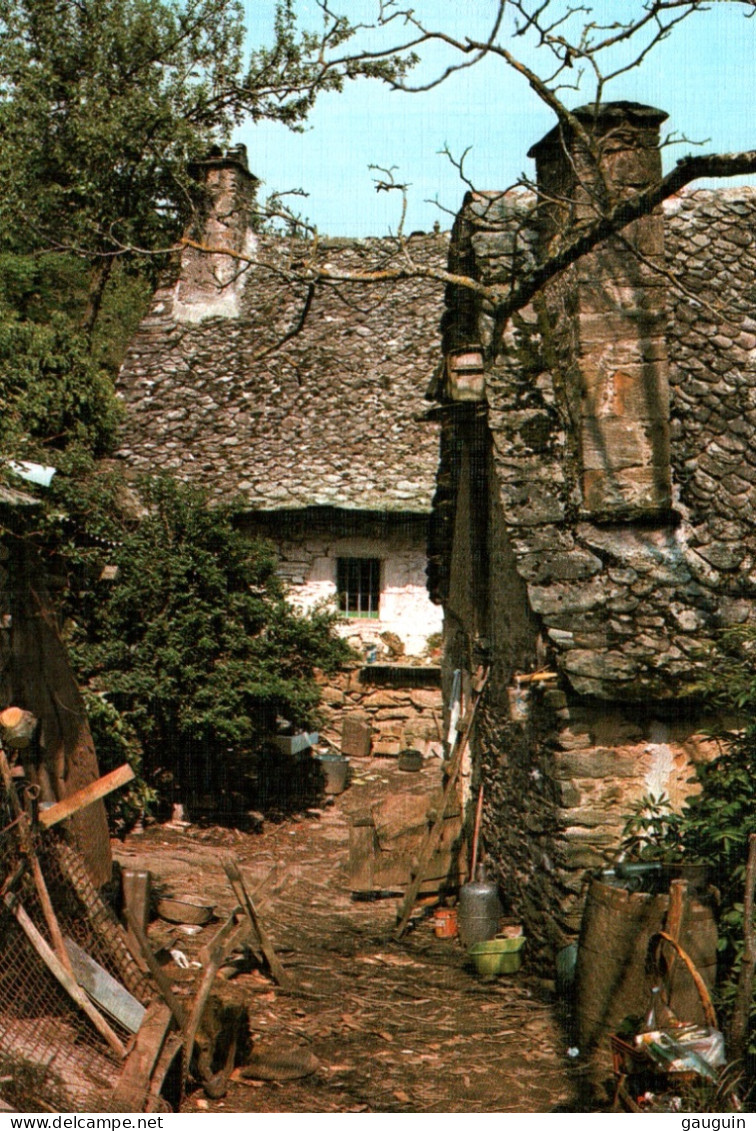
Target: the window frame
pixel 365 591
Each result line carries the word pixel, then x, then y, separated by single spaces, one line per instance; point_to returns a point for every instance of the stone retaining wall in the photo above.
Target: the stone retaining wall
pixel 594 512
pixel 399 717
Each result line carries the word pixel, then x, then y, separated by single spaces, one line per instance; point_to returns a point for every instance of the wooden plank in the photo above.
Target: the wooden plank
pixel 198 1007
pixel 113 998
pixel 678 892
pixel 274 963
pixel 86 796
pixel 230 936
pixel 27 845
pixel 58 970
pixel 363 850
pixel 434 835
pixel 134 1082
pixel 171 1049
pixel 161 979
pixel 135 888
pixel 535 677
pixel 476 833
pixel 373 869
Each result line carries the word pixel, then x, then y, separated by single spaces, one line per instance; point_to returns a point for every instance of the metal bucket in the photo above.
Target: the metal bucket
pixel 445 923
pixel 334 770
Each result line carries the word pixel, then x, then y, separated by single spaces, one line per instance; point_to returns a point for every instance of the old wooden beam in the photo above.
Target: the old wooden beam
pixel 86 796
pixel 134 1086
pixel 161 979
pixel 27 847
pixel 678 892
pixel 241 893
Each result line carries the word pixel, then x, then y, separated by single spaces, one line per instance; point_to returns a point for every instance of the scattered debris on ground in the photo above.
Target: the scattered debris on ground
pixel 368 1023
pixel 248 976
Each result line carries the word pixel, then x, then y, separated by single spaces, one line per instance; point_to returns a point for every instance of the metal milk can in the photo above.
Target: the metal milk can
pixel 479 910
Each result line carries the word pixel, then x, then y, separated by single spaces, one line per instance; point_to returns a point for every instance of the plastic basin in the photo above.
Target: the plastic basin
pixel 498 956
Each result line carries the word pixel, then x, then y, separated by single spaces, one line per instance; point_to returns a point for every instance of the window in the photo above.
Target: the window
pixel 358 581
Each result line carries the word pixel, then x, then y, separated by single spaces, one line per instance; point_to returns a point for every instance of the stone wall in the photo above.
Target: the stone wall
pixel 603 762
pixel 593 519
pixel 399 717
pixel 629 598
pixel 562 776
pixel 308 546
pixel 561 771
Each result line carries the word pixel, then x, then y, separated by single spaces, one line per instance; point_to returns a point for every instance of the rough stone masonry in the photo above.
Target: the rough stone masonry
pixel 594 511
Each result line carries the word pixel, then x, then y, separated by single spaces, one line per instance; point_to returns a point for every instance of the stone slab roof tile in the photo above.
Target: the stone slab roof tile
pixel 629 617
pixel 325 417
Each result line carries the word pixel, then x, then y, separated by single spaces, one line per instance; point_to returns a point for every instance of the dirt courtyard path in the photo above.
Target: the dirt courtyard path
pixel 395 1027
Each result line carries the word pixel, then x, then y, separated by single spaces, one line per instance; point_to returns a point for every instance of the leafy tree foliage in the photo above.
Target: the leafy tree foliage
pixel 716 823
pixel 194 645
pixel 104 107
pixel 105 104
pixel 54 393
pixel 56 382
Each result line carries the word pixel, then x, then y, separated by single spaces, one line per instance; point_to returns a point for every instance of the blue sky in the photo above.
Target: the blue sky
pixel 703 75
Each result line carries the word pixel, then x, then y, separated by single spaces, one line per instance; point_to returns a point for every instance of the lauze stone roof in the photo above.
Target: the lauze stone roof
pixel 628 602
pixel 327 416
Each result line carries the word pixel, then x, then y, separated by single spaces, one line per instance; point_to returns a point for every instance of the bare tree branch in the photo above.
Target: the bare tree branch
pixel 688 169
pixel 516 293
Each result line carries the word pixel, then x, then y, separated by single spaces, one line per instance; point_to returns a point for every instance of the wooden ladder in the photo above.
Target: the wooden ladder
pixel 433 835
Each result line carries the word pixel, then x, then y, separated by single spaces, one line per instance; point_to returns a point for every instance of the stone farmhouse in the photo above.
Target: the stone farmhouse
pixel 594 521
pixel 592 518
pixel 306 405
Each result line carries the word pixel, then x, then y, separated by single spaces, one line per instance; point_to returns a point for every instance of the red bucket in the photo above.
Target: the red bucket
pixel 445 922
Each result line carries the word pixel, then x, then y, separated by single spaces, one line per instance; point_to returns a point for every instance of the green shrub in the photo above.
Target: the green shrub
pixel 194 646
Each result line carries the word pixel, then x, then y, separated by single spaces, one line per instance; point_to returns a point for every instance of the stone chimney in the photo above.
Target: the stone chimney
pixel 607 313
pixel 210 283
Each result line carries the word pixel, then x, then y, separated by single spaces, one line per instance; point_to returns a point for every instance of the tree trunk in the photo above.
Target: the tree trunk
pixel 37 677
pixel 98 281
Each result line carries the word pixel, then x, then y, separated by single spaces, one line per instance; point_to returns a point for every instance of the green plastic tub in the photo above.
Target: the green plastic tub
pixel 498 956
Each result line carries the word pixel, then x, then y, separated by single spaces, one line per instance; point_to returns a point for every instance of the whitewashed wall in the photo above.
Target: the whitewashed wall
pixel 308 564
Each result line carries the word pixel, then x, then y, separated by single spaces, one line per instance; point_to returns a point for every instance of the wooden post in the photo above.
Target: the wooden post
pixel 133 1087
pixel 27 847
pixel 678 891
pixel 161 980
pixel 240 891
pixel 738 1034
pixel 476 833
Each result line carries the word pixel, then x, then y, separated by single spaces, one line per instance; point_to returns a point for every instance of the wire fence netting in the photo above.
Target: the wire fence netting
pixel 52 1058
